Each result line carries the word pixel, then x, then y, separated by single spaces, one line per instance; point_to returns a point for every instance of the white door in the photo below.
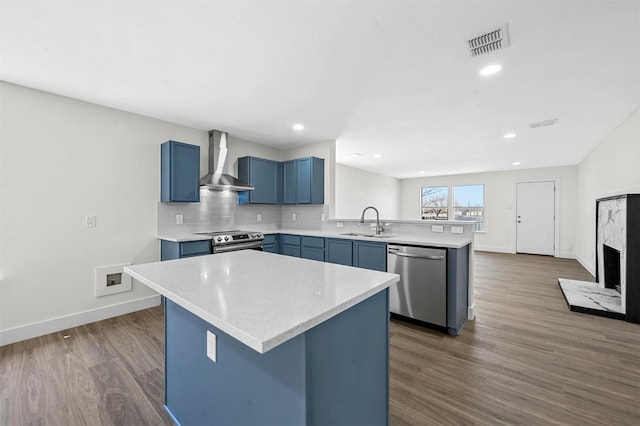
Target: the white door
pixel 535 217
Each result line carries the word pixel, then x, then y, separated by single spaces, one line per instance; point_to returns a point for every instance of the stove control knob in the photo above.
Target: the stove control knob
pixel 258 235
pixel 219 239
pixel 226 238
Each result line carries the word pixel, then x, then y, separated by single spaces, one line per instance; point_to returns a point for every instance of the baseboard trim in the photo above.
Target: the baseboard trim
pixel 494 249
pixel 18 334
pixel 471 312
pixel 586 265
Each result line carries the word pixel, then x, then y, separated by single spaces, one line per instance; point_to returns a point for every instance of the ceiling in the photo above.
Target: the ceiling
pixel 393 78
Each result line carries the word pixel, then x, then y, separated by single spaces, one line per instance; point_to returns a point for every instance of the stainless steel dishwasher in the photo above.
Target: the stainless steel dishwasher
pixel 421 293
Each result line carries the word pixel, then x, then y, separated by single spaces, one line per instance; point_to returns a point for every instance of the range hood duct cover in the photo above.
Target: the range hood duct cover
pixel 216 179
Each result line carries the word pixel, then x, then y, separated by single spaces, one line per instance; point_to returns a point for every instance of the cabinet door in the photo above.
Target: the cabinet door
pixel 370 255
pixel 263 175
pixel 309 173
pixel 303 180
pixel 180 172
pixel 339 251
pixel 270 243
pixel 289 182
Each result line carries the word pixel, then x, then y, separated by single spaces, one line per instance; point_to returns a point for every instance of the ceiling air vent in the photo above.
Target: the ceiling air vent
pixel 490 41
pixel 543 123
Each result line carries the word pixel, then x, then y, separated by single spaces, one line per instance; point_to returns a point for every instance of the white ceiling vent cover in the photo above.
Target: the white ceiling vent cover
pixel 490 41
pixel 543 123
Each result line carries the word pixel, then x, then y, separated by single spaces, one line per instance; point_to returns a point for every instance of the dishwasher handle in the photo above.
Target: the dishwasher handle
pixel 398 253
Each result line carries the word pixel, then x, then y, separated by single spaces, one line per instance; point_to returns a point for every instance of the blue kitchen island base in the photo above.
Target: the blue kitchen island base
pixel 336 373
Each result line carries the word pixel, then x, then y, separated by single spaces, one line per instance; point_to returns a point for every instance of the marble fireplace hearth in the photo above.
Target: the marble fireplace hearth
pixel 590 298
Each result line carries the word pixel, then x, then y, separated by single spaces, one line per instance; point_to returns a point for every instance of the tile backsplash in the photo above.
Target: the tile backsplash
pixel 219 210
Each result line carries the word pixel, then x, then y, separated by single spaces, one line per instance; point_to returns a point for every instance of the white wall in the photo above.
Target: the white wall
pixel 62 159
pixel 357 189
pixel 499 200
pixel 612 168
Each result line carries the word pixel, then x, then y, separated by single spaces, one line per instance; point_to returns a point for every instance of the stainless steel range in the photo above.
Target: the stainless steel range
pixel 224 241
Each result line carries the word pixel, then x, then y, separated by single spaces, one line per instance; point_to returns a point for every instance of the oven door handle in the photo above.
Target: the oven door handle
pixel 237 246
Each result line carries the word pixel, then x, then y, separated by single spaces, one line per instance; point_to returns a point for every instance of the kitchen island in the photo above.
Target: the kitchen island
pixel 296 341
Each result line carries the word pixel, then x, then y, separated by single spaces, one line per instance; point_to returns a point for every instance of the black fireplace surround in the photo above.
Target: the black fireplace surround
pixel 632 256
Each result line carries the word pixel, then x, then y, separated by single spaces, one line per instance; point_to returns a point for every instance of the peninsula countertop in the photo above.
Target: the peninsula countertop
pixel 261 299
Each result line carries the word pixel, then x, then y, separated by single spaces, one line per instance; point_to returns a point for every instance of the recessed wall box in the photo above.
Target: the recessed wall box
pixel 111 280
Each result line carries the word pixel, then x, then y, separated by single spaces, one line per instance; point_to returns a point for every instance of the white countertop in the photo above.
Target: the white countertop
pixel 444 239
pixel 261 299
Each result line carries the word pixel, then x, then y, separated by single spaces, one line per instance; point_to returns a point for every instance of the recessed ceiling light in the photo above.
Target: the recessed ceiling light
pixel 421 172
pixel 509 135
pixel 491 69
pixel 298 127
pixel 516 163
pixel 377 155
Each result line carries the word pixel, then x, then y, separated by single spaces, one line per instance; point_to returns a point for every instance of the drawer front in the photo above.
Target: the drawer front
pixel 313 242
pixel 269 239
pixel 290 239
pixel 191 248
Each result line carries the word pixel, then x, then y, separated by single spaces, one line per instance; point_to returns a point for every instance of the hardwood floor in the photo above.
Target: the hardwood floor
pixel 106 373
pixel 526 359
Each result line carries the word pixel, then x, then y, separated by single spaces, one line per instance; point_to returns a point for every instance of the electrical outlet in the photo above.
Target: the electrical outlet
pixel 294 217
pixel 437 228
pixel 211 346
pixel 340 225
pixel 323 217
pixel 259 217
pixel 179 219
pixel 90 221
pixel 457 229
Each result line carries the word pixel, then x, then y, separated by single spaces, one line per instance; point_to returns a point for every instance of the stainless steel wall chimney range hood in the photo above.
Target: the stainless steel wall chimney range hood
pixel 216 179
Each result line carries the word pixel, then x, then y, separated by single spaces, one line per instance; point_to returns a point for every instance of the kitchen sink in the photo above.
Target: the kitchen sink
pixel 357 234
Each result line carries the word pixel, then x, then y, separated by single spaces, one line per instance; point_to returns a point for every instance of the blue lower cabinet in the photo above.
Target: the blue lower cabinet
pixel 370 255
pixel 457 289
pixel 172 250
pixel 336 373
pixel 270 243
pixel 312 253
pixel 290 245
pixel 339 251
pixel 312 248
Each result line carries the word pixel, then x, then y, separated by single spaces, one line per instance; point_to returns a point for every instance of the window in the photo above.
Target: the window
pixel 434 201
pixel 468 204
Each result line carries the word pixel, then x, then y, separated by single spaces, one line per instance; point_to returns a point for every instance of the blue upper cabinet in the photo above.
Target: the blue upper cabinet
pixel 289 182
pixel 265 176
pixel 180 172
pixel 370 255
pixel 299 181
pixel 310 180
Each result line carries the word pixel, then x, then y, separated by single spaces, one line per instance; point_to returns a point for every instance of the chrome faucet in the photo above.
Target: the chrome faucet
pixel 379 227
